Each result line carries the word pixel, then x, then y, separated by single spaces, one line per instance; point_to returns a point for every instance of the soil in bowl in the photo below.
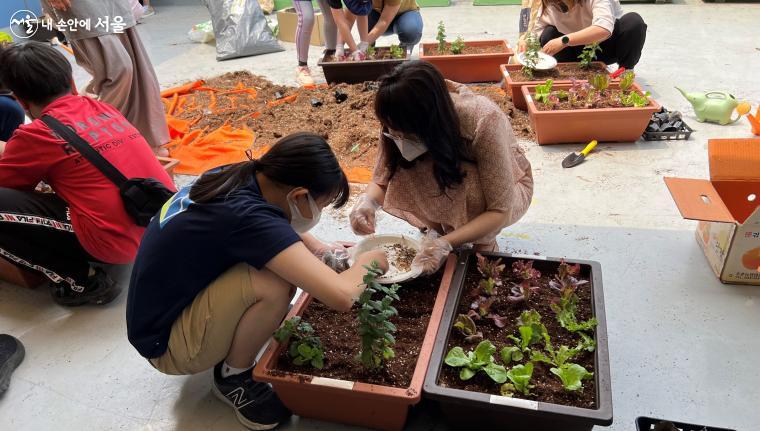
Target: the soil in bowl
pixel 432 50
pixel 548 387
pixel 563 72
pixel 341 343
pixel 400 259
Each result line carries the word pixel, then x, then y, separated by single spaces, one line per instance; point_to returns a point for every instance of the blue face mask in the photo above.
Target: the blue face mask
pixel 298 222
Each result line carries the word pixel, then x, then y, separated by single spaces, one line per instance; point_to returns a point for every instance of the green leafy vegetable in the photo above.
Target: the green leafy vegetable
pixel 375 328
pixel 457 46
pixel 507 390
pixel 397 51
pixel 543 91
pixel 304 347
pixel 572 376
pixel 600 81
pixel 441 38
pixel 531 330
pixel 481 359
pixel 634 98
pixel 626 80
pixel 520 376
pixel 467 327
pixel 532 48
pixel 511 353
pixel 588 55
pixel 371 51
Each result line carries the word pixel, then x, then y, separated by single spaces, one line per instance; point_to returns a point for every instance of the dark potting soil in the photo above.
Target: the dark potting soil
pixel 610 99
pixel 342 344
pixel 468 49
pixel 548 387
pixel 565 72
pixel 381 53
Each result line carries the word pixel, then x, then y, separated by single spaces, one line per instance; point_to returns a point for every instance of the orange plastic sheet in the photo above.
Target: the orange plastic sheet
pixel 199 150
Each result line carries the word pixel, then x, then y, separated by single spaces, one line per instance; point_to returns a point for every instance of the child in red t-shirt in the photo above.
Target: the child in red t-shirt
pixel 84 221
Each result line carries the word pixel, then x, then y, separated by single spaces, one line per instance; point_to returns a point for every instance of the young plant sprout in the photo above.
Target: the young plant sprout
pixel 525 272
pixel 626 80
pixel 543 91
pixel 600 82
pixel 472 362
pixel 304 348
pixel 571 374
pixel 520 376
pixel 532 48
pixel 486 291
pixel 441 38
pixel 457 46
pixel 531 330
pixel 371 51
pixel 588 55
pixel 397 51
pixel 375 328
pixel 565 283
pixel 467 327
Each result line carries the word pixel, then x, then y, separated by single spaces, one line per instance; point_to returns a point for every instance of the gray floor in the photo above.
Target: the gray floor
pixel 682 345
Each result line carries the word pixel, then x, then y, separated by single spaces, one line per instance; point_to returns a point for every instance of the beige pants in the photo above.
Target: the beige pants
pixel 123 77
pixel 202 335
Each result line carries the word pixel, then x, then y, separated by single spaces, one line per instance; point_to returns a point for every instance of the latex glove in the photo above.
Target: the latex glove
pixel 335 255
pixel 433 252
pixel 363 47
pixel 358 55
pixel 362 216
pixel 340 53
pixel 521 46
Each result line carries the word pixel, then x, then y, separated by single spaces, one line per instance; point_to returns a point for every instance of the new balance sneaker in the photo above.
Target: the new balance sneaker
pixel 11 354
pixel 303 76
pixel 100 289
pixel 256 405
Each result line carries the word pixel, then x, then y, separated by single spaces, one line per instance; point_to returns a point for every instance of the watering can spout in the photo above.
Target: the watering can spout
pixel 686 95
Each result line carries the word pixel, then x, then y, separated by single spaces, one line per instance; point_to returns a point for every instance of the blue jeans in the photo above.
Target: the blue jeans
pixel 407 25
pixel 11 116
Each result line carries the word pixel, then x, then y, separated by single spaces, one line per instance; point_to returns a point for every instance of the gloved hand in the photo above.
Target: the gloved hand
pixel 363 47
pixel 358 55
pixel 433 252
pixel 362 216
pixel 340 53
pixel 335 255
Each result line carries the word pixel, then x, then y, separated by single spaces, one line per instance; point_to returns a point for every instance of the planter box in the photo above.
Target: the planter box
pixel 475 410
pixel 467 68
pixel 18 276
pixel 353 403
pixel 514 87
pixel 584 125
pixel 353 72
pixel 287 19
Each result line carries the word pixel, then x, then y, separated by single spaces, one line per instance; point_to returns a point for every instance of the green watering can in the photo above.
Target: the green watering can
pixel 715 106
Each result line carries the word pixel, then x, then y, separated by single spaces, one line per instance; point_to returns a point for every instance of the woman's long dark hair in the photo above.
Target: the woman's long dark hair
pixel 298 160
pixel 413 99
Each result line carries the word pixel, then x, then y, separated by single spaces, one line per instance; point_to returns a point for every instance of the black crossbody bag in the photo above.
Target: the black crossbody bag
pixel 142 197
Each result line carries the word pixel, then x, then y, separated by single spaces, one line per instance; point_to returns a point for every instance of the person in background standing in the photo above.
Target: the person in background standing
pixel 305 11
pixel 112 52
pixel 399 17
pixel 356 11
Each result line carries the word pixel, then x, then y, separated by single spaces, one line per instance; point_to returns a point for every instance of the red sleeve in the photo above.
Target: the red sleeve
pixel 24 163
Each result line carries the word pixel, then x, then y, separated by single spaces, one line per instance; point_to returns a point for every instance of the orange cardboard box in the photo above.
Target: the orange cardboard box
pixel 287 19
pixel 728 209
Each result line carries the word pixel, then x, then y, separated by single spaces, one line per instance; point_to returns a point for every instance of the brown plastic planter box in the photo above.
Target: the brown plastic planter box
pixel 470 67
pixel 353 403
pixel 475 410
pixel 513 87
pixel 353 72
pixel 584 125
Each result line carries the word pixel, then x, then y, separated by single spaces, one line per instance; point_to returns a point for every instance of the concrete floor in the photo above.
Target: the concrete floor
pixel 682 345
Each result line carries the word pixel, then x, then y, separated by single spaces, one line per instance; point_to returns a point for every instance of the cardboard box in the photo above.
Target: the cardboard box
pixel 728 209
pixel 287 19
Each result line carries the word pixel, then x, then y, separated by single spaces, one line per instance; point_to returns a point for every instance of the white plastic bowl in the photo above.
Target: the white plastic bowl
pixel 545 62
pixel 376 241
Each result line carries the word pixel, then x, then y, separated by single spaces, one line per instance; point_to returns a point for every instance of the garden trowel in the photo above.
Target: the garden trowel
pixel 576 159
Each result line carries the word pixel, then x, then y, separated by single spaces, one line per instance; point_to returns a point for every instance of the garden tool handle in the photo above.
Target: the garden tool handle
pixel 591 145
pixel 617 73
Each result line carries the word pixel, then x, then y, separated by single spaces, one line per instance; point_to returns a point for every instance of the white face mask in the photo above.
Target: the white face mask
pixel 300 223
pixel 409 148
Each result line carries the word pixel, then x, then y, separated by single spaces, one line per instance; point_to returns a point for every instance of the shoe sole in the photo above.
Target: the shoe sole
pixel 7 369
pixel 102 299
pixel 242 419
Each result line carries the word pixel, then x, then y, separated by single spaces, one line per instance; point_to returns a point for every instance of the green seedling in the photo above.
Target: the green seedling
pixel 626 80
pixel 532 48
pixel 467 327
pixel 565 283
pixel 485 293
pixel 472 362
pixel 371 51
pixel 543 91
pixel 304 347
pixel 600 81
pixel 397 51
pixel 588 55
pixel 634 98
pixel 531 330
pixel 520 376
pixel 441 38
pixel 572 376
pixel 375 328
pixel 457 47
pixel 510 354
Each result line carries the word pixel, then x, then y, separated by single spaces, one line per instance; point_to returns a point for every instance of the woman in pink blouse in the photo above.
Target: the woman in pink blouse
pixel 564 27
pixel 448 163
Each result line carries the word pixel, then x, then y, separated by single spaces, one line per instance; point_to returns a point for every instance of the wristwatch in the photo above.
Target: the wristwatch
pixel 565 40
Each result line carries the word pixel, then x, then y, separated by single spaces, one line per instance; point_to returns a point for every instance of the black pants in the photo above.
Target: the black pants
pixel 36 233
pixel 623 47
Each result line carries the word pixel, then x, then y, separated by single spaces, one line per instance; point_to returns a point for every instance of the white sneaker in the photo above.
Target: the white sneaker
pixel 148 11
pixel 303 76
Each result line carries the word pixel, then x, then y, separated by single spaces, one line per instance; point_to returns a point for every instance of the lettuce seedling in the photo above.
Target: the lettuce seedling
pixel 397 51
pixel 600 82
pixel 588 55
pixel 524 271
pixel 565 283
pixel 543 91
pixel 375 328
pixel 634 98
pixel 467 327
pixel 520 376
pixel 487 289
pixel 457 46
pixel 304 347
pixel 531 330
pixel 511 353
pixel 474 361
pixel 572 376
pixel 626 80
